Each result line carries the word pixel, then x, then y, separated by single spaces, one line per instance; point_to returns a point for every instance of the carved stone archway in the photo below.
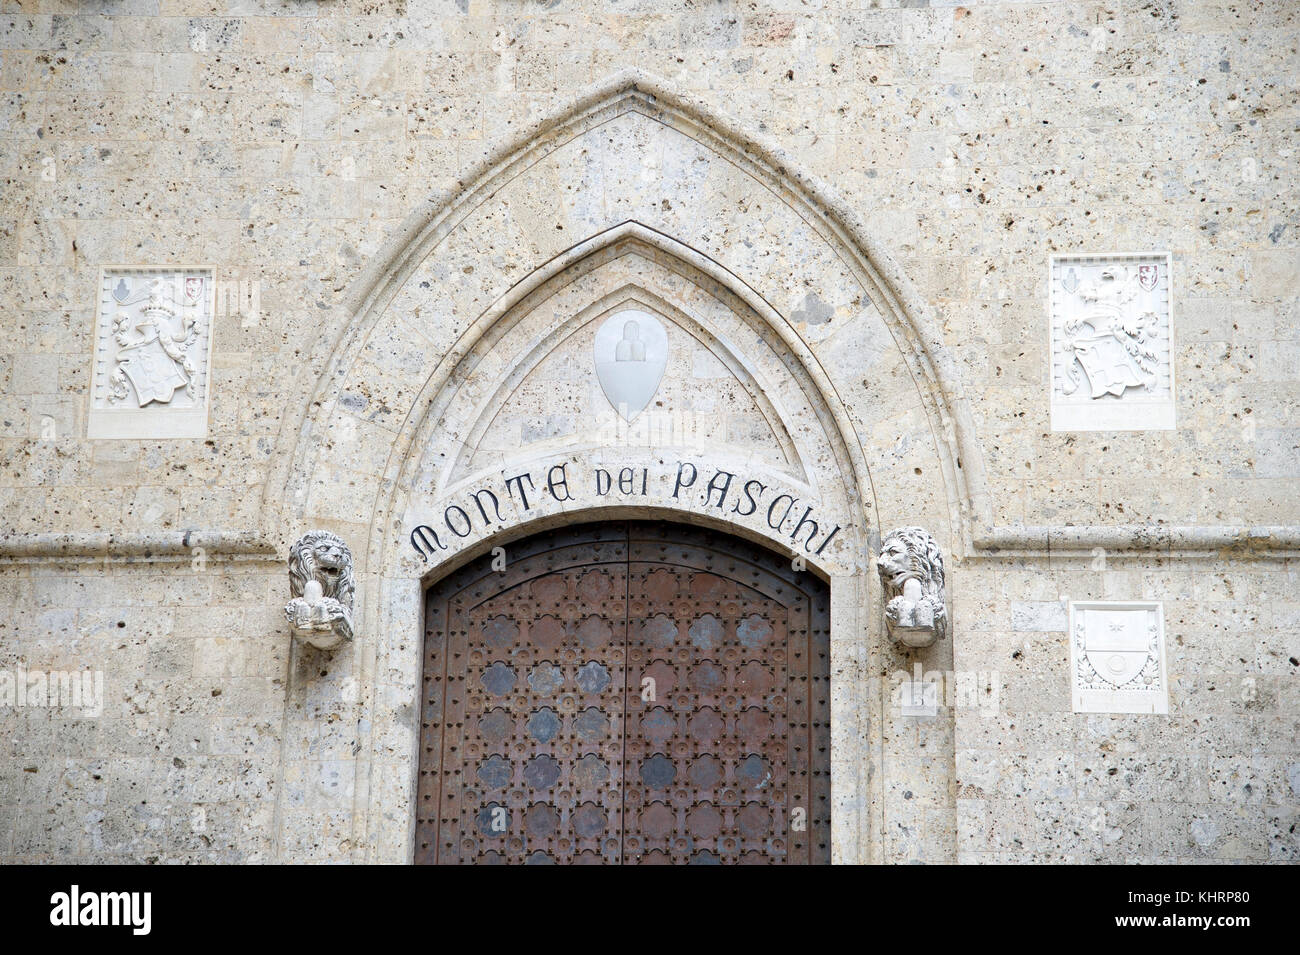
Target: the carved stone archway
pixel 632 194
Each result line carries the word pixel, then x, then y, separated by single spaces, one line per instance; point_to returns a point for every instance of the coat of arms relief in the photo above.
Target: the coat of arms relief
pixel 1118 657
pixel 1111 343
pixel 152 344
pixel 153 359
pixel 1112 340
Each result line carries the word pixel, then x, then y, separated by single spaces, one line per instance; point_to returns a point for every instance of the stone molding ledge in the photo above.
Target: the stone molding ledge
pixel 1236 540
pixel 173 547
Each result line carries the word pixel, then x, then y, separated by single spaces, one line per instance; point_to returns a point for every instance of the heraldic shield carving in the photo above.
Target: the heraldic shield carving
pixel 1112 340
pixel 631 354
pixel 1111 343
pixel 1118 658
pixel 154 348
pixel 153 339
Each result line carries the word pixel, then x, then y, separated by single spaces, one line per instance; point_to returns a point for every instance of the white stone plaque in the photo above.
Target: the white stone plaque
pixel 631 353
pixel 1117 657
pixel 1111 343
pixel 153 344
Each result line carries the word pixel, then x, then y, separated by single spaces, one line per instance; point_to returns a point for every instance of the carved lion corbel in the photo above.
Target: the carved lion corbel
pixel 911 572
pixel 321 584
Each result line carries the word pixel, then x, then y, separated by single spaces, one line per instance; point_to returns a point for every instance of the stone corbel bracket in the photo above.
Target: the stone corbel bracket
pixel 321 583
pixel 911 573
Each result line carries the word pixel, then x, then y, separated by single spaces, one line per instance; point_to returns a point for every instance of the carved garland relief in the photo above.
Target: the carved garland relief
pixel 1117 653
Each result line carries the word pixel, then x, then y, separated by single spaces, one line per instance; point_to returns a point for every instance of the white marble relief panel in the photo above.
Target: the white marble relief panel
pixel 1111 343
pixel 153 340
pixel 1117 657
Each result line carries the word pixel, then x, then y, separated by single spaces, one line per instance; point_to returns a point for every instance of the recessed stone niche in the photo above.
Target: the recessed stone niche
pixel 1117 657
pixel 1111 343
pixel 153 344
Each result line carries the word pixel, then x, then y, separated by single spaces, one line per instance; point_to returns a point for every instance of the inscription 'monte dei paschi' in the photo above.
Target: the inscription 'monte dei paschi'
pixel 732 494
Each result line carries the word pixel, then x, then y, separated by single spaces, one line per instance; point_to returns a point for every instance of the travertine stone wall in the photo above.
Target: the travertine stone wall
pixel 1217 779
pixel 284 144
pixel 182 762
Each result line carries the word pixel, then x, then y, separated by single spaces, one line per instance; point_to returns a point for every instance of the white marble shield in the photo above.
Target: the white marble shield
pixel 1117 644
pixel 631 352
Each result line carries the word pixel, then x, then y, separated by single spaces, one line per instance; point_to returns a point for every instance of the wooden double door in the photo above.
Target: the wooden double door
pixel 626 693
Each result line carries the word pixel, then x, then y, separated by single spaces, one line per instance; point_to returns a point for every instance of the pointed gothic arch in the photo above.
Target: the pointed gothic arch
pixel 629 165
pixel 915 332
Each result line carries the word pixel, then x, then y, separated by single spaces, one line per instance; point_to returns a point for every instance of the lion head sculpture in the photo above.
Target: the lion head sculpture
pixel 910 552
pixel 911 572
pixel 321 584
pixel 322 556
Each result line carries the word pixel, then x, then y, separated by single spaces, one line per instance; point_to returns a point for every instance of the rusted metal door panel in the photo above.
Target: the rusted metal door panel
pixel 726 762
pixel 626 692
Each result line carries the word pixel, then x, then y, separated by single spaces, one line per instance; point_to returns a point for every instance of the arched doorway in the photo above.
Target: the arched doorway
pixel 420 400
pixel 626 692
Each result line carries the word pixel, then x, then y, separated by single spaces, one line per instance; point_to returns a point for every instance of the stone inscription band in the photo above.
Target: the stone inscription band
pixel 731 493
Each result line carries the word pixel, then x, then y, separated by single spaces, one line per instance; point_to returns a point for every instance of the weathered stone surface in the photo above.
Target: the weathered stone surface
pixel 414 220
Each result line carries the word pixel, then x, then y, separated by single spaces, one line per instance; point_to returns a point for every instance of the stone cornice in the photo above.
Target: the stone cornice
pixel 1274 541
pixel 1235 540
pixel 172 547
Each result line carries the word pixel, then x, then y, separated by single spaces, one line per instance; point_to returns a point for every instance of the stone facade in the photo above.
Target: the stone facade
pixel 416 216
